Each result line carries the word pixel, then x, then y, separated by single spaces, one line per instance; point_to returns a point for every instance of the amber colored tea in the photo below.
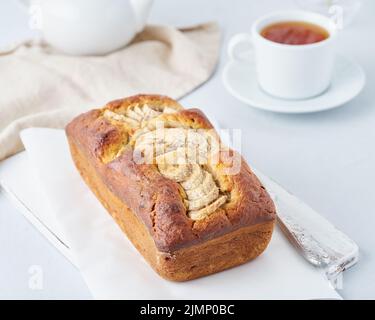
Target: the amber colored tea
pixel 294 33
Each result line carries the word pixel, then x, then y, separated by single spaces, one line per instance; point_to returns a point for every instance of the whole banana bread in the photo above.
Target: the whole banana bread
pixel 191 206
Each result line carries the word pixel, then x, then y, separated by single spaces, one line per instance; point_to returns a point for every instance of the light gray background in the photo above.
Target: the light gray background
pixel 326 159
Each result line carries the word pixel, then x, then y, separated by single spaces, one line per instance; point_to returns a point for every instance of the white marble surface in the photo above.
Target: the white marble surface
pixel 326 159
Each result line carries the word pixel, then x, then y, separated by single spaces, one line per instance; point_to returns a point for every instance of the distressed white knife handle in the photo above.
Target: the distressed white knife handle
pixel 315 237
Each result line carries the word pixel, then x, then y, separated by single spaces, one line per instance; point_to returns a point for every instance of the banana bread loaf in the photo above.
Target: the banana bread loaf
pixel 185 202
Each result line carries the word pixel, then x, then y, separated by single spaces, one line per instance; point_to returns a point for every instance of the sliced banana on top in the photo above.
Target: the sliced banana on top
pixel 204 201
pixel 138 133
pixel 138 110
pixel 134 115
pixel 174 157
pixel 110 115
pixel 177 152
pixel 177 173
pixel 149 112
pixel 206 211
pixel 195 179
pixel 207 185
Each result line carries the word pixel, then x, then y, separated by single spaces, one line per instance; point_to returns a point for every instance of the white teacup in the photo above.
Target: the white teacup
pixel 88 27
pixel 288 71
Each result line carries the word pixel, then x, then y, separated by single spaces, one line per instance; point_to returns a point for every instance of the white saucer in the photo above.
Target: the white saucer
pixel 348 81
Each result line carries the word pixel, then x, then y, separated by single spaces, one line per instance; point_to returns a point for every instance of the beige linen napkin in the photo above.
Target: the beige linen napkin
pixel 39 88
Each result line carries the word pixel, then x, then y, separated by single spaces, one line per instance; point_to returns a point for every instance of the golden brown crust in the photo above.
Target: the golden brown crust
pixel 188 263
pixel 153 198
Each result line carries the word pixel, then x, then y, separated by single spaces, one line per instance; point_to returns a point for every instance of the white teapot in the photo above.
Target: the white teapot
pixel 89 27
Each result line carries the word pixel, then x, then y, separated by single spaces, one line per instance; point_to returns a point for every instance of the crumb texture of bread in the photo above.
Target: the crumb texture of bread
pixel 172 195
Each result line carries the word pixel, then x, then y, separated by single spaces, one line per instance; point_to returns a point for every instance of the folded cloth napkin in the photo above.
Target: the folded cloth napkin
pixel 46 89
pixel 113 268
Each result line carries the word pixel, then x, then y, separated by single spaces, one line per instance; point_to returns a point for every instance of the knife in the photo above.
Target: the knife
pixel 318 240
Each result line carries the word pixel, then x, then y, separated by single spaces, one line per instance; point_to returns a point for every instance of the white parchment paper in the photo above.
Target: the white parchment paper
pixel 112 267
